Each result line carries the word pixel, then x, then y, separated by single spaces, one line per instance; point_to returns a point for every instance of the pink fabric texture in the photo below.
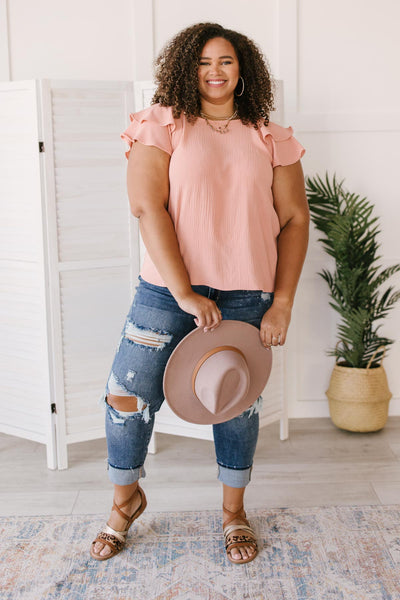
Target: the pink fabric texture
pixel 220 199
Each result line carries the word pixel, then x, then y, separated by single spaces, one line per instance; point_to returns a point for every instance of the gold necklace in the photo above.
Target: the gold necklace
pixel 220 128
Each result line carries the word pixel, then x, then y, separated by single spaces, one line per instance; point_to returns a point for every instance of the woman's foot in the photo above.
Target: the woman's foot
pixel 117 522
pixel 247 551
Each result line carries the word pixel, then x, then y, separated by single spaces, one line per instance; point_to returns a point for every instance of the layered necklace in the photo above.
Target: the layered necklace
pixel 219 128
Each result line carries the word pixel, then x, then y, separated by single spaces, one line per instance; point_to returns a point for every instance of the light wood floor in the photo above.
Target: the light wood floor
pixel 319 465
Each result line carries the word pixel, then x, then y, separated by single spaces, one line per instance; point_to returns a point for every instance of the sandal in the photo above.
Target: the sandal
pixel 116 539
pixel 237 541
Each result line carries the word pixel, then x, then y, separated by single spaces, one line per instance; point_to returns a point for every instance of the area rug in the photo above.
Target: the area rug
pixel 324 553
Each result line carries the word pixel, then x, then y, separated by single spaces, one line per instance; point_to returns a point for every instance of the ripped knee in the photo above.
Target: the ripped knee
pixel 123 403
pixel 126 403
pixel 124 408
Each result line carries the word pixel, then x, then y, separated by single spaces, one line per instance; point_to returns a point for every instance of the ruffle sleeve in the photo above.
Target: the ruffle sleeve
pixel 152 126
pixel 285 149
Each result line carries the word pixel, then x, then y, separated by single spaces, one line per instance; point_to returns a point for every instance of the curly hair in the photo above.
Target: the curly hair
pixel 176 74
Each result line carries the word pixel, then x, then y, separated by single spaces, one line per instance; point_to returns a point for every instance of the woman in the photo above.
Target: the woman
pixel 219 194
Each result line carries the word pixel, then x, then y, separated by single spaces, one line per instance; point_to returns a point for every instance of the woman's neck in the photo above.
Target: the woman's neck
pixel 218 110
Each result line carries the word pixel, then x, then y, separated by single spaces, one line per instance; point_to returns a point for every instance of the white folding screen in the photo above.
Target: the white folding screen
pixel 69 253
pixel 26 394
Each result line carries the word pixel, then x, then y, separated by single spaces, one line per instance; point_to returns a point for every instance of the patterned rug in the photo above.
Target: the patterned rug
pixel 325 553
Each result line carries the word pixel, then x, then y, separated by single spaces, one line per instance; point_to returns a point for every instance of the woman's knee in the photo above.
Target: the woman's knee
pixel 124 403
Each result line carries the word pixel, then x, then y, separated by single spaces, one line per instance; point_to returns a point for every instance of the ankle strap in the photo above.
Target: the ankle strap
pixel 118 507
pixel 234 515
pixel 131 497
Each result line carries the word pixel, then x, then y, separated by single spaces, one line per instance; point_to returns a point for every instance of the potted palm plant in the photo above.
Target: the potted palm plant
pixel 358 391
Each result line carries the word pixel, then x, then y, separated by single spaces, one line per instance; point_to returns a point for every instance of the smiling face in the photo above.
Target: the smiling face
pixel 218 75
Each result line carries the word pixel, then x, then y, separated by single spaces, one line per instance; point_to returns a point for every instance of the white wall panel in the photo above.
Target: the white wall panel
pixel 4 52
pixel 345 56
pixel 316 323
pixel 302 31
pixel 72 40
pixel 368 163
pixel 344 104
pixel 255 19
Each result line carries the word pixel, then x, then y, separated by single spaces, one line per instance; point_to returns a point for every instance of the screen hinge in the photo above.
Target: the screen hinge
pixel 53 408
pixel 41 146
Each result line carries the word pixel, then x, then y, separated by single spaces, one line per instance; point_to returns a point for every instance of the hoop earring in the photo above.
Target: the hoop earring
pixel 241 93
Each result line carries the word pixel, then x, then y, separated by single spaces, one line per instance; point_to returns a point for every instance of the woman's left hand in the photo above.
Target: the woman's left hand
pixel 275 323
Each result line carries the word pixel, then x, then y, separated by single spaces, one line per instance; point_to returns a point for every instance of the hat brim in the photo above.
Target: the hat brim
pixel 177 382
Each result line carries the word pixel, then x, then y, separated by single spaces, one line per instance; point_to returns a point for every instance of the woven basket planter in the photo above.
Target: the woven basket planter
pixel 359 398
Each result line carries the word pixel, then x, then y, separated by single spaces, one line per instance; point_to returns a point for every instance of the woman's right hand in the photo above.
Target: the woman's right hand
pixel 207 313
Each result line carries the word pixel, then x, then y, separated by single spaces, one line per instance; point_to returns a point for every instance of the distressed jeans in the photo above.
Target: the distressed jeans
pixel 155 324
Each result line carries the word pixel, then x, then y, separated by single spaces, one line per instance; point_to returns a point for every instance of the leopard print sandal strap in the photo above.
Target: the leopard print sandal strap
pixel 115 540
pixel 238 541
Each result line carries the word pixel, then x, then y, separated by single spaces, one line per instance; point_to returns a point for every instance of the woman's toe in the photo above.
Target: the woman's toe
pixel 106 550
pixel 245 552
pixel 101 549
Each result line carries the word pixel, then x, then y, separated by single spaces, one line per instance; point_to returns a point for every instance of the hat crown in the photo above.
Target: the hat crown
pixel 221 379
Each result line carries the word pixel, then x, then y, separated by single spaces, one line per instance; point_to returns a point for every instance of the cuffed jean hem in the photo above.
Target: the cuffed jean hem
pixel 125 476
pixel 236 478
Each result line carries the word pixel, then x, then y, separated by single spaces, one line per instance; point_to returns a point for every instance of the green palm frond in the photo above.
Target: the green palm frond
pixel 349 235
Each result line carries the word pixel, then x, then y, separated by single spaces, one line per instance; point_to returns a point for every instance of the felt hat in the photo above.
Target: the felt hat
pixel 214 376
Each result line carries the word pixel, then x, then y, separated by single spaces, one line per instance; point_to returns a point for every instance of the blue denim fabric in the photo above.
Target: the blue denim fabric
pixel 154 326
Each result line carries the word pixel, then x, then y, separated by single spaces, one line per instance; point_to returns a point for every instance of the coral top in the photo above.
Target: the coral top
pixel 220 197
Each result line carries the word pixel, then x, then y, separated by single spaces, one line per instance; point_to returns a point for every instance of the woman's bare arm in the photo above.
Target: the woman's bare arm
pixel 290 202
pixel 148 191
